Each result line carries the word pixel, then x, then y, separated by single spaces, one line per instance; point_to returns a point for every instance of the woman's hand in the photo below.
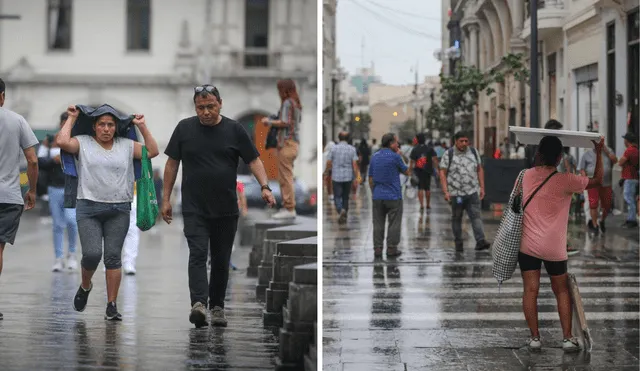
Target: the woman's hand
pixel 139 120
pixel 599 145
pixel 72 111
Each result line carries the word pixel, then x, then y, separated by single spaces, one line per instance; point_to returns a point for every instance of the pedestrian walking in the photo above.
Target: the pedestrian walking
pixel 209 146
pixel 423 159
pixel 384 180
pixel 131 240
pixel 364 159
pixel 342 161
pixel 63 218
pixel 462 180
pixel 327 182
pixel 375 147
pixel 601 196
pixel 629 164
pixel 15 136
pixel 547 195
pixel 288 125
pixel 105 193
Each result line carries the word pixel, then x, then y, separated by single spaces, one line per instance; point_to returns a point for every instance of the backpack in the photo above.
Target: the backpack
pixel 450 155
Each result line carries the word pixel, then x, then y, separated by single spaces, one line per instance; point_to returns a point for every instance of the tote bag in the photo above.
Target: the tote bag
pixel 147 204
pixel 506 245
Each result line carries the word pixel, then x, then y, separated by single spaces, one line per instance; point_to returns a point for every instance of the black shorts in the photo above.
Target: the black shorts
pixel 531 263
pixel 9 222
pixel 424 180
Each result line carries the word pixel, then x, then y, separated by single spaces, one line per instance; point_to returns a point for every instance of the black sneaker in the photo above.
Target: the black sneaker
pixel 80 300
pixel 592 227
pixel 1 317
pixel 112 312
pixel 602 227
pixel 482 245
pixel 630 225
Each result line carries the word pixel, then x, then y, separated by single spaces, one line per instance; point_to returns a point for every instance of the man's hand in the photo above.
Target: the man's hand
pixel 265 121
pixel 267 196
pixel 56 159
pixel 482 193
pixel 29 200
pixel 72 111
pixel 447 197
pixel 138 120
pixel 167 212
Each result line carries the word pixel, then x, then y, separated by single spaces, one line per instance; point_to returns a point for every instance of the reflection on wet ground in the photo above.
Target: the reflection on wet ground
pixel 41 331
pixel 437 309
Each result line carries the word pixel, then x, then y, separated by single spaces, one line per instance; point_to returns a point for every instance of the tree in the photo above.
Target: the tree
pixel 361 125
pixel 405 130
pixel 511 65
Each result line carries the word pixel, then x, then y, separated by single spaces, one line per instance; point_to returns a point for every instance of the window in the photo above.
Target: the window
pixel 611 85
pixel 138 24
pixel 59 25
pixel 633 39
pixel 256 31
pixel 611 37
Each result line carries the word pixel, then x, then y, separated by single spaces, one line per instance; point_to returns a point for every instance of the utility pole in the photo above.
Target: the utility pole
pixel 415 99
pixel 351 117
pixel 534 100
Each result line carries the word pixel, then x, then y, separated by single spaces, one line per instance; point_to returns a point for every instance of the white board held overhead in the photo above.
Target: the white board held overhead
pixel 581 139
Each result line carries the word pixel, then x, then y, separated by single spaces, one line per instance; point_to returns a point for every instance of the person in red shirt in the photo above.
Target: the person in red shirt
pixel 629 164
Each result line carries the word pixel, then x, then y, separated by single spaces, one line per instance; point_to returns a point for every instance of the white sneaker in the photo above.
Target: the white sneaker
pixel 570 345
pixel 58 266
pixel 331 198
pixel 535 343
pixel 284 214
pixel 72 263
pixel 129 270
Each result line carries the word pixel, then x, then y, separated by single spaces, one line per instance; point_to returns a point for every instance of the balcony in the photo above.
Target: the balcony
pixel 551 18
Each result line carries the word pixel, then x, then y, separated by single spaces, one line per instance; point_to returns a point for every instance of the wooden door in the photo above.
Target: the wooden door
pixel 268 157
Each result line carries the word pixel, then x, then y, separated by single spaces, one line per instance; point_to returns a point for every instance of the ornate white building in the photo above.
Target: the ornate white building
pixel 588 59
pixel 146 57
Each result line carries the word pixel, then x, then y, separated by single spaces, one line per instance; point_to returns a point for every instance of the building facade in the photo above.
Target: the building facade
pixel 146 57
pixel 588 63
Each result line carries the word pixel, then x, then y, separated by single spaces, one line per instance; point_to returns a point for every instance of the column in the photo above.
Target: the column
pixel 517 7
pixel 473 40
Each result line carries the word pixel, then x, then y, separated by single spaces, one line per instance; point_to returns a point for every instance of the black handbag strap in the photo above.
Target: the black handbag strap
pixel 536 191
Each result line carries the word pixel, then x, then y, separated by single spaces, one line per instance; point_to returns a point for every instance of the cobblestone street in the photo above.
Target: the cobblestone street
pixel 435 309
pixel 42 331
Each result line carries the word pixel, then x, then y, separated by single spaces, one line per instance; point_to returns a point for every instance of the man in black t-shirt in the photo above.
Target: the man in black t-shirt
pixel 209 146
pixel 423 159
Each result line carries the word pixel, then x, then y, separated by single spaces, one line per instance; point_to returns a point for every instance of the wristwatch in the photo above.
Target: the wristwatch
pixel 265 187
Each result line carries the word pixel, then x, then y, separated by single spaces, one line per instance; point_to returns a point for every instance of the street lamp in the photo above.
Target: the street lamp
pixel 335 78
pixel 351 117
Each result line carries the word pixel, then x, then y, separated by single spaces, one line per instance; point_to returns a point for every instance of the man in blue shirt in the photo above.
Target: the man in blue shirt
pixel 384 180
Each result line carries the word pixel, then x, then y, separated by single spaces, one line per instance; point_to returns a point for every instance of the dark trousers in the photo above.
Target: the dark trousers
pixel 383 209
pixel 364 171
pixel 219 234
pixel 470 204
pixel 341 192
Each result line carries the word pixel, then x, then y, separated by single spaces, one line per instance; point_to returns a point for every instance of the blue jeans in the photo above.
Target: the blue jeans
pixel 341 191
pixel 629 194
pixel 62 218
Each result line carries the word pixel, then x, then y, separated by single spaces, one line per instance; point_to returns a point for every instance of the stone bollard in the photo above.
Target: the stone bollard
pixel 259 229
pixel 311 358
pixel 289 254
pixel 299 316
pixel 272 237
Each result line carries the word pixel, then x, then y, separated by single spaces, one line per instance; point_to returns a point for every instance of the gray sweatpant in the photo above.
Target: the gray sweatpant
pixel 112 227
pixel 383 209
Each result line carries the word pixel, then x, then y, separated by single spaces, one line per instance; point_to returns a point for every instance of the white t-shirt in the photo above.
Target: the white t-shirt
pixel 15 136
pixel 105 175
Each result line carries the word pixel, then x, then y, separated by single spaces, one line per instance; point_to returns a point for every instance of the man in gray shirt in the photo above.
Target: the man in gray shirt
pixel 602 195
pixel 15 135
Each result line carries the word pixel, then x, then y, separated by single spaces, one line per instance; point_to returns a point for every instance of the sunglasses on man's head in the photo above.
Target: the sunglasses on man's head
pixel 209 88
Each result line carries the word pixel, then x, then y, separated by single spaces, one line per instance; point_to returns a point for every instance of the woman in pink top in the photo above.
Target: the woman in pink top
pixel 544 233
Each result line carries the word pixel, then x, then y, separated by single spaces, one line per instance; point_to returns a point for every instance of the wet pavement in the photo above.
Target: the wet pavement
pixel 41 331
pixel 436 309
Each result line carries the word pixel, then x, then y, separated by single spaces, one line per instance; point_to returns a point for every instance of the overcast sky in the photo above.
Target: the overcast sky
pixel 397 34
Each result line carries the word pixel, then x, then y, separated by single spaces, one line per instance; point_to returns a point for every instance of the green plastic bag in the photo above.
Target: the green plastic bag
pixel 147 205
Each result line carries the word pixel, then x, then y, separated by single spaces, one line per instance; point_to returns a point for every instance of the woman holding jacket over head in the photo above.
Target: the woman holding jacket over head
pixel 105 192
pixel 288 125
